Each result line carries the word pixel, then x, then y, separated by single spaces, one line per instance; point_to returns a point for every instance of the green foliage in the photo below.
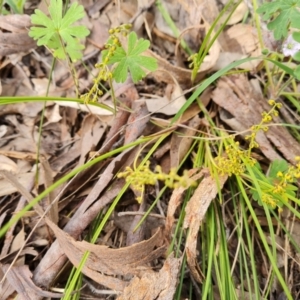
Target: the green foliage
pixel 131 60
pixel 58 32
pixel 277 185
pixel 274 189
pixel 123 61
pixel 283 13
pixel 16 5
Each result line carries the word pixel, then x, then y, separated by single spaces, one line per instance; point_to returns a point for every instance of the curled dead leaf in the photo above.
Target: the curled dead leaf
pixel 195 213
pixel 104 263
pixel 19 277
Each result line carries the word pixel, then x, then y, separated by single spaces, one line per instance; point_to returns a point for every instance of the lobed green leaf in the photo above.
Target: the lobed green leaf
pixel 58 33
pixel 282 13
pixel 131 61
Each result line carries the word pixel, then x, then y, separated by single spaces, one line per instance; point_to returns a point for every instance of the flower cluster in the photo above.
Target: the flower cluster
pixel 290 176
pixel 234 160
pixel 141 176
pixel 267 117
pixel 282 186
pixel 104 72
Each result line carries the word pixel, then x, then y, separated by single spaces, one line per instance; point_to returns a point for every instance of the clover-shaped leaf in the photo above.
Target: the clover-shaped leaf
pixel 58 32
pixel 132 60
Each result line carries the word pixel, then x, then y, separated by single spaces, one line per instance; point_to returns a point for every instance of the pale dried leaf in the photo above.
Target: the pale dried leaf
pixel 195 213
pixel 167 105
pixel 11 43
pixel 103 260
pixel 48 201
pixel 236 95
pixel 180 143
pixel 166 71
pixel 52 114
pixel 8 164
pixel 7 188
pixel 15 23
pixel 237 15
pixel 84 215
pixel 155 285
pixel 19 278
pixel 137 122
pixel 207 9
pixel 238 42
pixel 175 201
pixel 92 131
pixel 88 107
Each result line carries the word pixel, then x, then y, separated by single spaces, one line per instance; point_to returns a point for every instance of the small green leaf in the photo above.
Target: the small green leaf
pixel 277 165
pixel 131 61
pixel 58 32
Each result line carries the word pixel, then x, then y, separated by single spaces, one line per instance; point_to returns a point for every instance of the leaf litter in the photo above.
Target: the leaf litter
pixel 138 266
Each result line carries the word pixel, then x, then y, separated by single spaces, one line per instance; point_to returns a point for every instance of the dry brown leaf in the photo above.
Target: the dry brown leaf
pixel 93 10
pixel 200 8
pixel 175 201
pixel 29 109
pixel 15 23
pixel 19 155
pixel 48 201
pixel 136 235
pixel 137 122
pixel 123 220
pixel 19 277
pixel 7 188
pixel 99 35
pixel 180 143
pixel 195 213
pixel 183 75
pixel 9 236
pixel 8 164
pixel 24 191
pixel 6 289
pixel 121 13
pixel 103 263
pixel 88 107
pixel 188 17
pixel 17 243
pixel 97 199
pixel 169 104
pixel 236 95
pixel 17 40
pixel 237 15
pixel 155 285
pixel 64 159
pixel 92 131
pixel 238 42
